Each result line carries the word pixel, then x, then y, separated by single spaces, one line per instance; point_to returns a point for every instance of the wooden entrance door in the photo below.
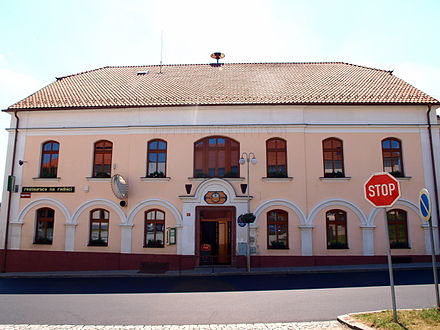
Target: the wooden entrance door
pixel 215 237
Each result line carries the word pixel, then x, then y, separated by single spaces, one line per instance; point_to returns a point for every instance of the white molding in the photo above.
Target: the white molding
pixel 266 179
pixel 148 179
pixel 344 179
pixel 281 202
pixel 47 179
pixel 192 179
pixel 223 129
pixel 337 202
pixel 403 202
pixel 98 202
pixel 44 201
pixel 155 202
pixel 89 178
pixel 368 240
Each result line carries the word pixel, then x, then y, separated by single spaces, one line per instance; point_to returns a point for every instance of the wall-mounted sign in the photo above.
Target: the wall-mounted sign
pixel 215 197
pixel 48 189
pixel 25 195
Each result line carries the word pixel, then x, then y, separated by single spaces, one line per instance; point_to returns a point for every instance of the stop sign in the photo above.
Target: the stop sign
pixel 382 190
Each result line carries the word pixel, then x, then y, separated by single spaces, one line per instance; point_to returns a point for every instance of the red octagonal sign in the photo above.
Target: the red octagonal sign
pixel 382 190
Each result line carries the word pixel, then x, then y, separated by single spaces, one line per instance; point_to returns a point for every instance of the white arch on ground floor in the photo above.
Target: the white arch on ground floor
pixel 403 202
pixel 284 203
pixel 306 230
pixel 98 202
pixel 155 202
pixel 46 202
pixel 336 202
pixel 127 226
pixel 73 222
pixel 16 226
pixel 412 206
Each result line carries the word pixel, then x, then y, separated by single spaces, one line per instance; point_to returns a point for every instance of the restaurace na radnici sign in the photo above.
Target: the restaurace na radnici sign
pixel 48 189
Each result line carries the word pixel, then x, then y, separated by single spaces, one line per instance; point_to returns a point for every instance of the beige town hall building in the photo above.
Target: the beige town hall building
pixel 138 167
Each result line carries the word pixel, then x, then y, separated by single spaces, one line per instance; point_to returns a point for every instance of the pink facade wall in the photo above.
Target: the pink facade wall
pixel 305 189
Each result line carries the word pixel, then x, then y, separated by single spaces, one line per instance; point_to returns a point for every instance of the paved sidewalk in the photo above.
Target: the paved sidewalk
pixel 220 271
pixel 333 325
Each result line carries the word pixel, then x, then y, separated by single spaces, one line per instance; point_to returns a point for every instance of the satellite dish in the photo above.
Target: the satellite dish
pixel 119 186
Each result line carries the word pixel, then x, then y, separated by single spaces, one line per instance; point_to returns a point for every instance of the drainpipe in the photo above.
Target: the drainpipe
pixel 433 168
pixel 10 193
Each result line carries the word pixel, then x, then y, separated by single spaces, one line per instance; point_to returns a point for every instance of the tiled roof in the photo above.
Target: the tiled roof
pixel 240 83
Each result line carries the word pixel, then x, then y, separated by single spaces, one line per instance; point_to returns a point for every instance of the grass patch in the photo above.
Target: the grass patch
pixel 421 319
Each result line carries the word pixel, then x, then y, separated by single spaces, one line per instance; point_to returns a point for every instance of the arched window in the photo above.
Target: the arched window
pixel 216 156
pixel 99 222
pixel 157 159
pixel 102 159
pixel 276 156
pixel 336 222
pixel 44 226
pixel 333 156
pixel 392 156
pixel 49 159
pixel 277 230
pixel 398 229
pixel 154 229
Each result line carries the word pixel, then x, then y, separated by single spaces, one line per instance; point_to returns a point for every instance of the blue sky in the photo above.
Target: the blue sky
pixel 44 39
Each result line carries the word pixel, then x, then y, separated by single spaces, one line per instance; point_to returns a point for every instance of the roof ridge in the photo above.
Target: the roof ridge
pixel 368 67
pixel 232 63
pixel 82 72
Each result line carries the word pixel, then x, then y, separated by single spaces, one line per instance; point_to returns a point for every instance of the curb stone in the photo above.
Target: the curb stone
pixel 347 320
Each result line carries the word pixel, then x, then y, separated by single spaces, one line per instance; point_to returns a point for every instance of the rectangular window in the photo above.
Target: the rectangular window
pixel 102 159
pixel 277 230
pixel 44 226
pixel 156 159
pixel 276 158
pixel 336 221
pixel 99 225
pixel 154 229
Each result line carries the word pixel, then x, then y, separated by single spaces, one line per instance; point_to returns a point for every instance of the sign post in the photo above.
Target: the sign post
pixel 382 190
pixel 425 209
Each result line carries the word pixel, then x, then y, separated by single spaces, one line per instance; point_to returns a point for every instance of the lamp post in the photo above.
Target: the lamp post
pixel 247 158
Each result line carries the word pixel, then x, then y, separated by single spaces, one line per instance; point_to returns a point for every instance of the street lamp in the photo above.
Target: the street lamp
pixel 247 158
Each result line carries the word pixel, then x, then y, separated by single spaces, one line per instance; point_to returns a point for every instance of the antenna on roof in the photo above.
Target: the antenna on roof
pixel 161 51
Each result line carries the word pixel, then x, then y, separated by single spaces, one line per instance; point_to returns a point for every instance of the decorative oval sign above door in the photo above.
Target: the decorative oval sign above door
pixel 215 197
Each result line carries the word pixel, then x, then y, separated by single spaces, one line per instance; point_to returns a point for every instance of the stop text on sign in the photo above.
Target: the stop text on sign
pixel 381 190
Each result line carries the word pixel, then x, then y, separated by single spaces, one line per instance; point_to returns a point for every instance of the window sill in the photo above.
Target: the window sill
pixel 46 179
pixel 338 248
pixel 203 179
pixel 148 179
pixel 97 244
pixel 153 247
pixel 98 179
pixel 269 179
pixel 43 243
pixel 403 178
pixel 278 248
pixel 344 179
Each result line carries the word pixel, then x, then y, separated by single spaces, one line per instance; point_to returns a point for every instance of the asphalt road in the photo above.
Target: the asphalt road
pixel 229 299
pixel 212 283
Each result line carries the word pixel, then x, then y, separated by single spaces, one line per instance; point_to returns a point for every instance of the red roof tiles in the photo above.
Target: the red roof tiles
pixel 241 83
